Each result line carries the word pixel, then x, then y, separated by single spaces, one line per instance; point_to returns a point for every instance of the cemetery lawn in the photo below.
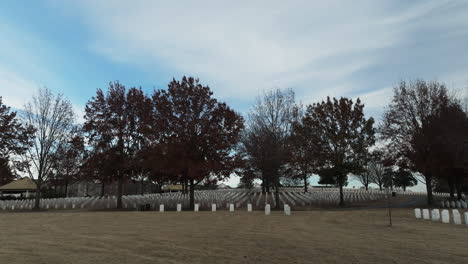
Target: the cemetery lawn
pixel 348 236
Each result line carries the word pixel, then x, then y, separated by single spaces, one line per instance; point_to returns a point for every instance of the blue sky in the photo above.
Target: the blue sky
pixel 238 48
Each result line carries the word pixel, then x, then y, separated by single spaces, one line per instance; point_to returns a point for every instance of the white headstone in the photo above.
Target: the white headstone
pixel 435 215
pixel 179 207
pixel 442 204
pixel 452 204
pixel 456 217
pixel 464 205
pixel 73 206
pixel 161 208
pixel 196 207
pixel 426 214
pixel 267 209
pixel 445 216
pixel 231 207
pixel 47 206
pixel 466 218
pixel 249 207
pixel 458 204
pixel 213 207
pixel 447 204
pixel 417 212
pixel 287 210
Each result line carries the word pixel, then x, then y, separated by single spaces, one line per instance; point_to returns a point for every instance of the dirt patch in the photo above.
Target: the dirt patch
pixel 360 236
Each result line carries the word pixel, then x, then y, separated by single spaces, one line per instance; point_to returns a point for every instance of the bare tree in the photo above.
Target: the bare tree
pixel 377 172
pixel 365 177
pixel 377 168
pixel 405 121
pixel 304 151
pixel 68 160
pixel 268 133
pixel 52 118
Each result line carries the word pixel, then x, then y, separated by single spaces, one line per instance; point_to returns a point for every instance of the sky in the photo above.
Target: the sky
pixel 238 48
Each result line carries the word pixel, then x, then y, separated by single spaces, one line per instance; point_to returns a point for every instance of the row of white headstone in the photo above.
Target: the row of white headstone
pixel 460 204
pixel 287 208
pixel 444 215
pixel 370 191
pixel 205 198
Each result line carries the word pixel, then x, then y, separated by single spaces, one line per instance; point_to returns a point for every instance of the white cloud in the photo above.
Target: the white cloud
pixel 241 48
pixel 15 89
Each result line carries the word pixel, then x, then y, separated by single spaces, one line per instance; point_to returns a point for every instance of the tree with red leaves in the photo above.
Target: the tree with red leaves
pixel 116 123
pixel 14 141
pixel 344 135
pixel 198 132
pixel 406 125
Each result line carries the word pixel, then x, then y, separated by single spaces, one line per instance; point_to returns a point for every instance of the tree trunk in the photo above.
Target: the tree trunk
pixel 119 192
pixel 429 188
pixel 184 187
pixel 341 194
pixel 305 183
pixel 263 183
pixel 37 198
pixel 102 188
pixel 277 191
pixel 404 188
pixel 66 189
pixel 459 185
pixel 380 185
pixel 141 187
pixel 192 194
pixel 367 186
pixel 267 184
pixel 451 185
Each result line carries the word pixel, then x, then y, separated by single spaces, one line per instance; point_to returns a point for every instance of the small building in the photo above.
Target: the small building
pixel 19 188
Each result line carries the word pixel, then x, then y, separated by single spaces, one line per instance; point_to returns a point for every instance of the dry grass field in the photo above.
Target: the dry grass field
pixel 358 236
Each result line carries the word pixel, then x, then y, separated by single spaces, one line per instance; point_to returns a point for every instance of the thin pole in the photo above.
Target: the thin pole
pixel 389 209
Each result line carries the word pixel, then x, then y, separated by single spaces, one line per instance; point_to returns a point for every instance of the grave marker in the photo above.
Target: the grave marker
pixel 456 217
pixel 231 207
pixel 249 207
pixel 417 213
pixel 426 214
pixel 464 205
pixel 161 208
pixel 287 210
pixel 445 216
pixel 267 209
pixel 435 215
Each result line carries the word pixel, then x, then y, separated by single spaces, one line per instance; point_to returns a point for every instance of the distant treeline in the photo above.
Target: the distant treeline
pixel 183 135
